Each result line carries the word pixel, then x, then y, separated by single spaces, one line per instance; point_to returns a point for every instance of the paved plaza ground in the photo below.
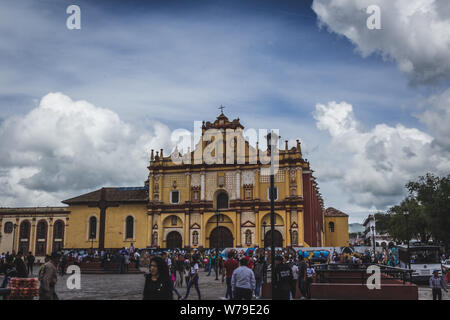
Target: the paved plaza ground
pixel 131 286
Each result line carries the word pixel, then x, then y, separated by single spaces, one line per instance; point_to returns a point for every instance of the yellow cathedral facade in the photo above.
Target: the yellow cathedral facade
pixel 197 204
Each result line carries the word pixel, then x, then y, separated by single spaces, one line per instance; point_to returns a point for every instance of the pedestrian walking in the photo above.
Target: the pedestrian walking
pixel 310 275
pixel 48 276
pixel 243 281
pixel 20 266
pixel 30 263
pixel 228 268
pixel 294 269
pixel 282 281
pixel 302 276
pixel 259 270
pixel 437 283
pixel 193 280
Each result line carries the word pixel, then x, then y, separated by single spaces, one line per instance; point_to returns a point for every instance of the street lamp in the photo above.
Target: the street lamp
pixel 406 214
pixel 272 204
pixel 373 236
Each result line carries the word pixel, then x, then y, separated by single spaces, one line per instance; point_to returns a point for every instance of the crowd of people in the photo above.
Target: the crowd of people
pixel 242 271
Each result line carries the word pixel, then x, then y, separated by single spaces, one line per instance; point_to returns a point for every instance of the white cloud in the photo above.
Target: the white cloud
pixel 415 33
pixel 437 118
pixel 374 165
pixel 63 147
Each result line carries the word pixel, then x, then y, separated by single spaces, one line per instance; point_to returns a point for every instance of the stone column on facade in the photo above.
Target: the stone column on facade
pixel 286 229
pixel 287 182
pixel 202 186
pixel 301 227
pixel 16 236
pixel 289 223
pixel 258 228
pixel 238 184
pixel 299 182
pixel 151 190
pixel 32 237
pixel 160 231
pixel 188 183
pixel 150 229
pixel 186 227
pixel 238 229
pixel 257 182
pixel 161 182
pixel 202 238
pixel 50 237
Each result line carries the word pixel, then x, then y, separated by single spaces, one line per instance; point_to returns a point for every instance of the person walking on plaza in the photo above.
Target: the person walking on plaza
pixel 48 276
pixel 63 264
pixel 243 281
pixel 310 274
pixel 282 281
pixel 180 269
pixel 227 272
pixel 302 276
pixel 437 283
pixel 258 270
pixel 158 285
pixel 30 263
pixel 20 266
pixel 193 280
pixel 294 269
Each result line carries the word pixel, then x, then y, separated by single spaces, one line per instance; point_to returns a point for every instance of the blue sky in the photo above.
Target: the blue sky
pixel 174 62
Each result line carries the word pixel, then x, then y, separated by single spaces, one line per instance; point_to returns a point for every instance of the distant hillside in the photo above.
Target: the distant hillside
pixel 355 227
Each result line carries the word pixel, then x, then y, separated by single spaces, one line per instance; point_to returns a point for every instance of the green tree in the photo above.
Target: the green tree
pixel 433 195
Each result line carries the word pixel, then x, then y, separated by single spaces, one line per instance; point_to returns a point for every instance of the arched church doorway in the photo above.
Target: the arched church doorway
pixel 174 240
pixel 221 238
pixel 277 239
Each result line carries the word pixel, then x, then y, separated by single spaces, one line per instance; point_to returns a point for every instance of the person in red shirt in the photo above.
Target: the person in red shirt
pixel 228 267
pixel 249 258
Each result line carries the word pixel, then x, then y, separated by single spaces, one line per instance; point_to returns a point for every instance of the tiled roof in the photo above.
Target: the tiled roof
pixel 332 212
pixel 138 194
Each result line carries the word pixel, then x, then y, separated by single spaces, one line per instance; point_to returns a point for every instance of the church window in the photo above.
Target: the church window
pixel 174 196
pixel 24 230
pixel 130 227
pixel 41 230
pixel 92 228
pixel 222 200
pixel 331 226
pixel 58 228
pixel 9 227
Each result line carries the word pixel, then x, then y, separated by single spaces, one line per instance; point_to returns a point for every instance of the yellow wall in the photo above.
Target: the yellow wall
pixel 340 237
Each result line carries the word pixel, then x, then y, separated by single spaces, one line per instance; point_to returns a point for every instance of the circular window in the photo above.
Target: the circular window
pixel 9 227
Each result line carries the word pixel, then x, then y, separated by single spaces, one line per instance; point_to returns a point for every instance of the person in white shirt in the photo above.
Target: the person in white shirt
pixel 243 281
pixel 193 280
pixel 294 269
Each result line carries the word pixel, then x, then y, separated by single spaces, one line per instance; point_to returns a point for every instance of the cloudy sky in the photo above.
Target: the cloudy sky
pixel 80 109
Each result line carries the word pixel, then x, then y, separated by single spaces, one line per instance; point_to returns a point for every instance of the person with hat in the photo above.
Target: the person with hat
pixel 437 283
pixel 282 281
pixel 48 276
